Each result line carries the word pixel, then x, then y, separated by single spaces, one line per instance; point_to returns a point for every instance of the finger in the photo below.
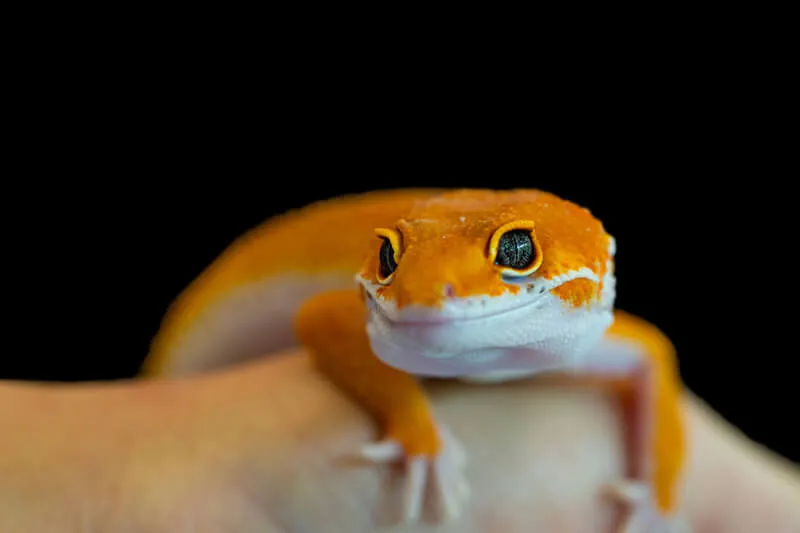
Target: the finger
pixel 733 484
pixel 539 453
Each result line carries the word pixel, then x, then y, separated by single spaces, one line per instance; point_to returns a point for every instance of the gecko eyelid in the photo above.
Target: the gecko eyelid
pixel 515 250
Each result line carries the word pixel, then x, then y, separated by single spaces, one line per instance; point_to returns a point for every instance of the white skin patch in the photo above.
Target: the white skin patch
pixel 522 333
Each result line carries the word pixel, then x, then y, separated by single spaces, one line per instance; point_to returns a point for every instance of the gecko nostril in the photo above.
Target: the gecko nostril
pixel 448 290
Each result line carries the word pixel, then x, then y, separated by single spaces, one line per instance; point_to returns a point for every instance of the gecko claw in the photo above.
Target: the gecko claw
pixel 442 474
pixel 641 516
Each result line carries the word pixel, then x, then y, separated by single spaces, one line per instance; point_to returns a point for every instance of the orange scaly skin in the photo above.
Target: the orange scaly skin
pixel 570 236
pixel 668 433
pixel 341 350
pixel 445 246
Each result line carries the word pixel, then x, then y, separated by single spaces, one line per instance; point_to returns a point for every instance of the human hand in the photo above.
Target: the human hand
pixel 265 447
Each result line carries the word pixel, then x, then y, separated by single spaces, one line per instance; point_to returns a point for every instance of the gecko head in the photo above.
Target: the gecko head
pixel 479 282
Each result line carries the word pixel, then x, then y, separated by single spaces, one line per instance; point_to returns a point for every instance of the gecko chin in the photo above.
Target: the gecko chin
pixel 484 338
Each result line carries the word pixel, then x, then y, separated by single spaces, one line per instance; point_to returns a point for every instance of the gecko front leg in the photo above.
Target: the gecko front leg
pixel 331 326
pixel 643 358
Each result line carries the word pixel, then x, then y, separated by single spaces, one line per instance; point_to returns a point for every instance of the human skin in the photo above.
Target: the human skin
pixel 266 446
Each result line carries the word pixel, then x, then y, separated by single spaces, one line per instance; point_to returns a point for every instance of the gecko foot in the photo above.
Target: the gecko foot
pixel 641 515
pixel 442 473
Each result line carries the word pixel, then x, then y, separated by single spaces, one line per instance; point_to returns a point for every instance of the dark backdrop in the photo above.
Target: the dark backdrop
pixel 130 184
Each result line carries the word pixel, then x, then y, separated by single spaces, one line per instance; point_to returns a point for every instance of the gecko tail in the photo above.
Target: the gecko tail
pixel 251 321
pixel 243 305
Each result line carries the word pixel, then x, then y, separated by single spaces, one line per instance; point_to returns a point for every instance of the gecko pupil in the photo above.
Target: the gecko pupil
pixel 515 250
pixel 386 256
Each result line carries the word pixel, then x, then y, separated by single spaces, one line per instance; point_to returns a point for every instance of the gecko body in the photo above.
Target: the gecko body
pixel 477 285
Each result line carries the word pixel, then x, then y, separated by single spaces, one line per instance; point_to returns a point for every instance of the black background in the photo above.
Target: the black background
pixel 119 208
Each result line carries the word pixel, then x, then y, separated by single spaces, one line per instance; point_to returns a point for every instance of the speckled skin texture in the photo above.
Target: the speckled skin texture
pixel 462 223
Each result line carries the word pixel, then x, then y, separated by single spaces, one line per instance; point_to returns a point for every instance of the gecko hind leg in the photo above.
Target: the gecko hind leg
pixel 443 473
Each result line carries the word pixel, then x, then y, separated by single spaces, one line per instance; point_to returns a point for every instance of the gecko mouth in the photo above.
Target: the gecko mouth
pixel 432 317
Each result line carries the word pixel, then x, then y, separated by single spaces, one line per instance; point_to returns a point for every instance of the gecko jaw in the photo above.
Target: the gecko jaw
pixel 531 331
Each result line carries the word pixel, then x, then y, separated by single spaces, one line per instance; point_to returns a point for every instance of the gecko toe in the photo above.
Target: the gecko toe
pixel 640 515
pixel 451 484
pixel 386 451
pixel 628 492
pixel 434 480
pixel 415 489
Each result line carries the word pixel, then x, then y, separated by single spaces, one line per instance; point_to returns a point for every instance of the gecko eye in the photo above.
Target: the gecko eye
pixel 515 250
pixel 386 256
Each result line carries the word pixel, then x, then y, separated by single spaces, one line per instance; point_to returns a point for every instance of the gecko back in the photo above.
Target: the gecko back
pixel 242 305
